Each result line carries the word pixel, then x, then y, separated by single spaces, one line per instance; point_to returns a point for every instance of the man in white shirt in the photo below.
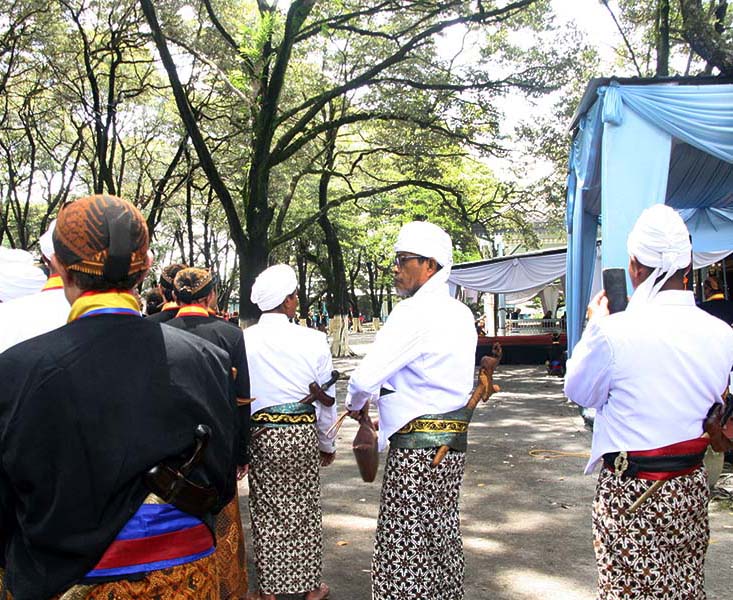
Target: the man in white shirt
pixel 28 316
pixel 652 372
pixel 288 443
pixel 420 373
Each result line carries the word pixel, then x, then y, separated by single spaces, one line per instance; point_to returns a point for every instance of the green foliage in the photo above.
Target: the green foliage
pixel 407 140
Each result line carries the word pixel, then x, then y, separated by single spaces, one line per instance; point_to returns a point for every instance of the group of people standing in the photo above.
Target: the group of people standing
pixel 122 438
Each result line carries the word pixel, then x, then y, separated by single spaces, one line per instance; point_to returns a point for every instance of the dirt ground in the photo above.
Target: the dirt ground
pixel 525 519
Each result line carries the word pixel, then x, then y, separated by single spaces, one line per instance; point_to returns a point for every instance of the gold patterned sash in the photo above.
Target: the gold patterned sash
pixel 281 415
pixel 431 431
pixel 434 426
pixel 264 418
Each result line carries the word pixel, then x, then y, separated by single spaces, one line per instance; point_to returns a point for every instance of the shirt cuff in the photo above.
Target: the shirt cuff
pixel 327 446
pixel 356 401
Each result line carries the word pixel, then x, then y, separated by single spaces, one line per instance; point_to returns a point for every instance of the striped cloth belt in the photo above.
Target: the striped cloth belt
pixel 157 536
pixel 430 431
pixel 280 415
pixel 662 463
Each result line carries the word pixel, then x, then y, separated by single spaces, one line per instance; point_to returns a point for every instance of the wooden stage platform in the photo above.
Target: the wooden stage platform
pixel 531 349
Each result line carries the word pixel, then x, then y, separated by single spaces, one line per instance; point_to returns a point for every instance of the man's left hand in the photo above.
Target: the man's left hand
pixel 242 471
pixel 598 306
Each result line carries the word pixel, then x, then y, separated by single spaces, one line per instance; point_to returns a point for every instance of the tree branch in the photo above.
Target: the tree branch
pixel 189 120
pixel 623 35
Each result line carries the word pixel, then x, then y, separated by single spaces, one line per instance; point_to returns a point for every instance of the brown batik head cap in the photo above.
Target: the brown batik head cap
pixel 193 284
pixel 169 273
pixel 102 235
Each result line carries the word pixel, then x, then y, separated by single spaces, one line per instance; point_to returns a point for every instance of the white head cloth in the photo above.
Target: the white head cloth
pixel 272 285
pixel 659 240
pixel 46 241
pixel 429 240
pixel 18 276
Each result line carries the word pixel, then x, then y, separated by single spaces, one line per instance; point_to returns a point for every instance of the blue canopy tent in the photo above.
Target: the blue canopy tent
pixel 639 142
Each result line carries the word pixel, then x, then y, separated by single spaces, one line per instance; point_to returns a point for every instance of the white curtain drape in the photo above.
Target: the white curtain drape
pixel 511 274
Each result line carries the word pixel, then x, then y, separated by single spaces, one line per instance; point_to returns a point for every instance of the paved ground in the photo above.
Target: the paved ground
pixel 525 519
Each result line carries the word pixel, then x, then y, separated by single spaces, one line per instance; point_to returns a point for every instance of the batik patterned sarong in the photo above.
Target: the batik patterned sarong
pixel 657 552
pixel 230 559
pixel 192 581
pixel 285 505
pixel 418 551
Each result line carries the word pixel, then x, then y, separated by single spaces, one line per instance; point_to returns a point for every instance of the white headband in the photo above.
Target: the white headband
pixel 272 285
pixel 659 240
pixel 18 276
pixel 46 241
pixel 429 240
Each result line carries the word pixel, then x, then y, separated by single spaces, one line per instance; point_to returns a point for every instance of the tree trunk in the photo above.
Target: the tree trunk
pixel 339 329
pixel 374 300
pixel 189 222
pixel 663 38
pixel 705 38
pixel 339 289
pixel 251 256
pixel 302 271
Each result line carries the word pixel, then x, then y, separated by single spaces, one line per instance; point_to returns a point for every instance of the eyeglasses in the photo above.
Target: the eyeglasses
pixel 400 260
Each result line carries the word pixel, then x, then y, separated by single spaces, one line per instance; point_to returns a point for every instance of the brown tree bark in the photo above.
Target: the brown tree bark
pixel 705 38
pixel 663 38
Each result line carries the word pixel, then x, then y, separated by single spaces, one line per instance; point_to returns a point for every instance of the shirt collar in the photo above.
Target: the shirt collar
pixel 273 318
pixel 674 298
pixel 104 302
pixel 432 286
pixel 192 310
pixel 54 282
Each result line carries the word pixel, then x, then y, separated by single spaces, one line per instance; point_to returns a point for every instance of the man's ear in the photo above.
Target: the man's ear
pixel 212 300
pixel 60 269
pixel 638 273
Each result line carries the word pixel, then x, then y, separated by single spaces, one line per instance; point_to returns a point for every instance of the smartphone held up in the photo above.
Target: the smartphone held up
pixel 614 283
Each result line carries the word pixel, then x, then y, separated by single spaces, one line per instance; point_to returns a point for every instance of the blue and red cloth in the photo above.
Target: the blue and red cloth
pixel 158 536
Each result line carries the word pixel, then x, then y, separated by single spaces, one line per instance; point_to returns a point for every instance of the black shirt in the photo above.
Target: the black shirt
pixel 85 410
pixel 723 309
pixel 229 338
pixel 164 315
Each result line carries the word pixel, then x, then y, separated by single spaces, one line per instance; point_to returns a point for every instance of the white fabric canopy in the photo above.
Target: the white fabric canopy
pixel 704 259
pixel 511 274
pixel 550 298
pixel 524 276
pixel 642 142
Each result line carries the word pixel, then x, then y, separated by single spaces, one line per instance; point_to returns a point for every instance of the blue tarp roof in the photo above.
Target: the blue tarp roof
pixel 639 142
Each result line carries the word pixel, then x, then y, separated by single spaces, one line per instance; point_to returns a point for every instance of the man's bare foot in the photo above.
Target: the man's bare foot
pixel 320 593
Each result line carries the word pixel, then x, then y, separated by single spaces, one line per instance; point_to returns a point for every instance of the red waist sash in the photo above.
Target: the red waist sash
pixel 686 448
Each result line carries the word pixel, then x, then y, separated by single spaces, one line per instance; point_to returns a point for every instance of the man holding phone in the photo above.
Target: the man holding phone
pixel 652 371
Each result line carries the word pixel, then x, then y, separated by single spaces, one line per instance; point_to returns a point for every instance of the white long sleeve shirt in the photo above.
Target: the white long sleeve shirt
pixel 651 373
pixel 284 359
pixel 425 353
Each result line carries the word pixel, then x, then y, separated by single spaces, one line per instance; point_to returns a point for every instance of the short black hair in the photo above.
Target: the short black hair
pixel 97 283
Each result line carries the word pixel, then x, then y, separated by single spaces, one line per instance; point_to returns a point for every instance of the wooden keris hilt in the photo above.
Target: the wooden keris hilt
pixel 317 392
pixel 481 393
